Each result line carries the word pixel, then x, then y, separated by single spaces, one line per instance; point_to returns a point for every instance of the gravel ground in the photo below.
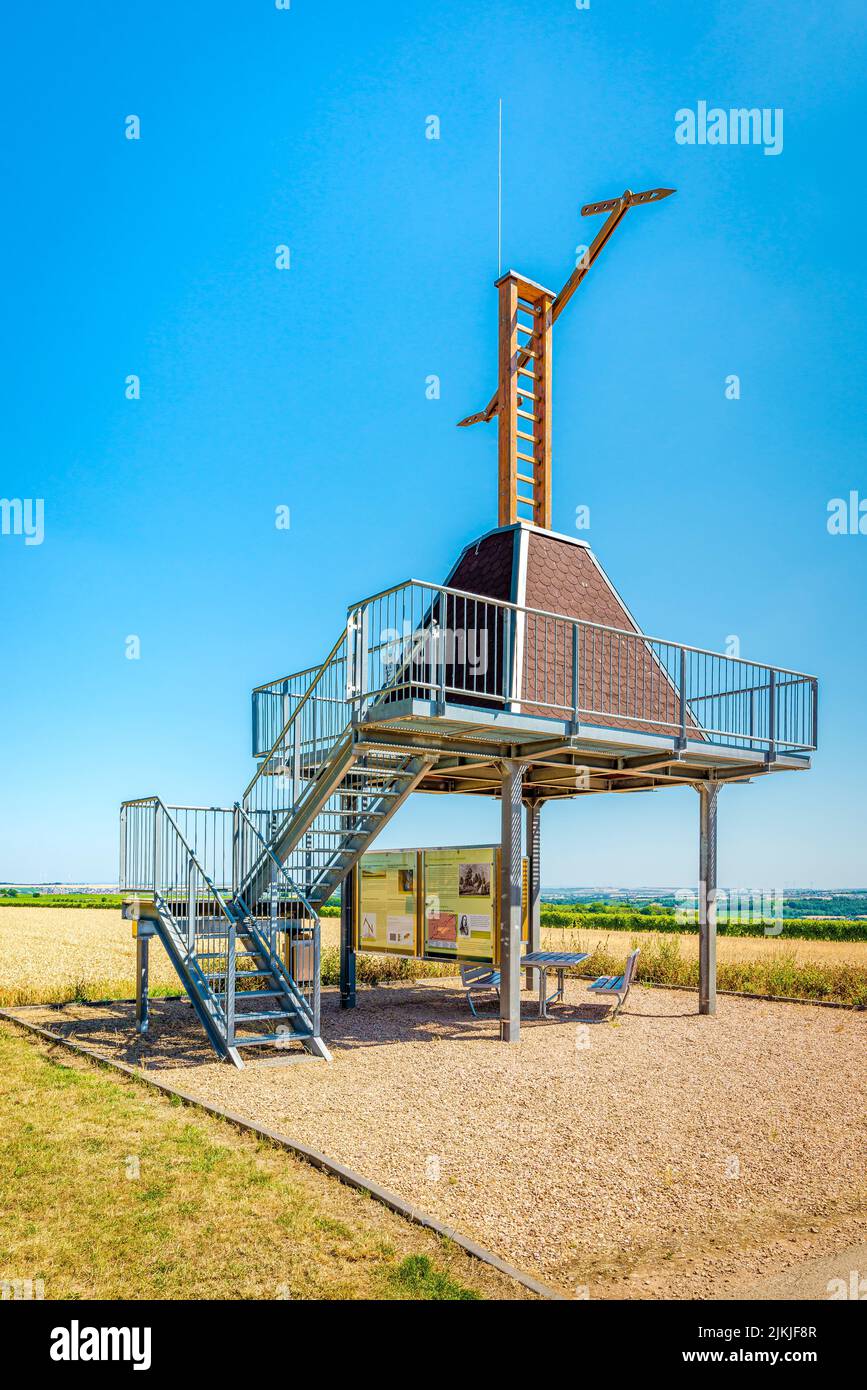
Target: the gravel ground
pixel 667 1155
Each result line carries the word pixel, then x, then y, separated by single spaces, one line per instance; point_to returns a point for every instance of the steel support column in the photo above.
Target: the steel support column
pixel 143 934
pixel 707 886
pixel 347 941
pixel 534 886
pixel 510 903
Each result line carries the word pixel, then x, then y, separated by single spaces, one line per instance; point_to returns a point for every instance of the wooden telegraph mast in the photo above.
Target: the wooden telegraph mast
pixel 522 400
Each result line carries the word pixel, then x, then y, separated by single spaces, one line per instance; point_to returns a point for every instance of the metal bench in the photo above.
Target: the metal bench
pixel 475 977
pixel 616 986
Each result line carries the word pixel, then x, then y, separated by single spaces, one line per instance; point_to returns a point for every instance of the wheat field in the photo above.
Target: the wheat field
pixel 49 955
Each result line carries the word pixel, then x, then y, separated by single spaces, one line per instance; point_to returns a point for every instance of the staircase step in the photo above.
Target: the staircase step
pixel 357 791
pixel 240 933
pixel 331 833
pixel 240 941
pixel 272 1038
pixel 262 1016
pixel 221 955
pixel 257 994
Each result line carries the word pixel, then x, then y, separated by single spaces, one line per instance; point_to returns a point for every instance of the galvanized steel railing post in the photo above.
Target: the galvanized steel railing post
pixel 123 832
pixel 576 676
pixel 296 764
pixel 682 738
pixel 356 662
pixel 441 665
pixel 157 847
pixel 347 938
pixel 814 733
pixel 772 714
pixel 230 986
pixel 364 683
pixel 191 905
pixel 317 969
pixel 236 848
pixel 507 658
pixel 350 657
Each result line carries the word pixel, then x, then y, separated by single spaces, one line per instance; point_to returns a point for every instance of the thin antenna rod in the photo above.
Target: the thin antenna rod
pixel 500 195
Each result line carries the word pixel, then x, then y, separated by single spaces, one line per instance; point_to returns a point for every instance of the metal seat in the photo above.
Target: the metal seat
pixel 474 977
pixel 617 986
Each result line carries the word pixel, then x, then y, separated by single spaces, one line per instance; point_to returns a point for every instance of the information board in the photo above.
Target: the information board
pixel 387 907
pixel 439 904
pixel 460 903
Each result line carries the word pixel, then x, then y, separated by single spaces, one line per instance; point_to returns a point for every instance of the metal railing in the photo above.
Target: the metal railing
pixel 431 642
pixel 194 860
pixel 284 916
pixel 157 859
pixel 273 705
pixel 304 744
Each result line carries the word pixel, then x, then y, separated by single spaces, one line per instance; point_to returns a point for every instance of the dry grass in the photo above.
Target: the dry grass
pixel 729 948
pixel 827 971
pixel 831 971
pixel 207 1212
pixel 51 955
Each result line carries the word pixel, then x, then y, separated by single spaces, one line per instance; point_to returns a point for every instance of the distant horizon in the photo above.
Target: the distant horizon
pixel 82 884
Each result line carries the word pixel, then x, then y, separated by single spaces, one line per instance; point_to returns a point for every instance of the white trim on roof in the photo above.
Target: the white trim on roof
pixel 521 526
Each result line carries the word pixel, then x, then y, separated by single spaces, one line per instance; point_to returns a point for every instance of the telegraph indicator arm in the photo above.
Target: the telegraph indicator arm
pixel 617 209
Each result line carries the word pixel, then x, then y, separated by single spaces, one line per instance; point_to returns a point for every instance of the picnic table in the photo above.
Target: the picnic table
pixel 543 961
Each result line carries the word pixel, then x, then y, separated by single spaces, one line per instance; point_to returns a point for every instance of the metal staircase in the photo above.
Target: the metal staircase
pixel 233 893
pixel 318 798
pixel 251 972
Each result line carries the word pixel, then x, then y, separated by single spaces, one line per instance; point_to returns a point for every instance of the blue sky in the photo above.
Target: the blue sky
pixel 306 387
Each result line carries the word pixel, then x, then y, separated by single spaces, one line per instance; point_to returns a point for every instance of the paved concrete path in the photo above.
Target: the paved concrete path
pixel 810 1280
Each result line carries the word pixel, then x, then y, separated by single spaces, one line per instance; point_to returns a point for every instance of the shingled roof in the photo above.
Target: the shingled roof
pixel 539 569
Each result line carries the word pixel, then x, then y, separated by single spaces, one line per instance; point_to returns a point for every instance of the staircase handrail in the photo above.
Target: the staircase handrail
pixel 269 852
pixel 158 804
pixel 281 737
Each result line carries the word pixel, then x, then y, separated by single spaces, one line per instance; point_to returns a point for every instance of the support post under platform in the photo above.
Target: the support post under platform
pixel 143 934
pixel 347 941
pixel 707 886
pixel 510 903
pixel 534 887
